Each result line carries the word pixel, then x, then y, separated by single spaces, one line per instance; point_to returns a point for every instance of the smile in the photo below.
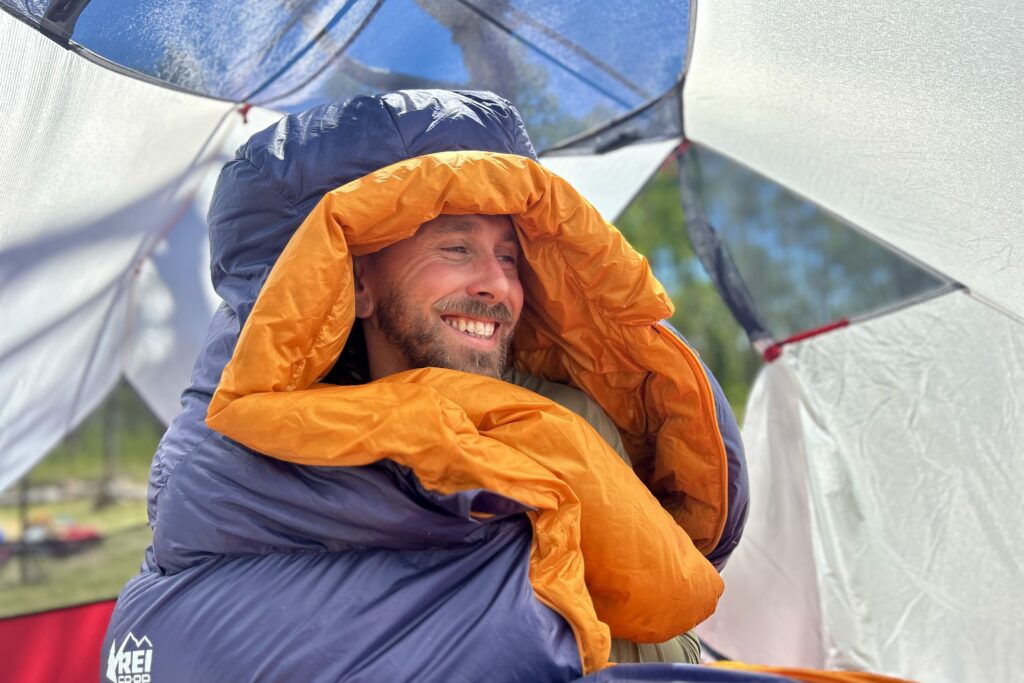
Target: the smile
pixel 474 328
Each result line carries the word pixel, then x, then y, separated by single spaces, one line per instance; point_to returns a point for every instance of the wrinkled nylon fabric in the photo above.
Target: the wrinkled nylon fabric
pixel 591 319
pixel 866 540
pixel 354 572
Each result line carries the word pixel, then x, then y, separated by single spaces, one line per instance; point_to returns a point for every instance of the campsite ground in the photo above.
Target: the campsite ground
pixel 93 574
pixel 94 481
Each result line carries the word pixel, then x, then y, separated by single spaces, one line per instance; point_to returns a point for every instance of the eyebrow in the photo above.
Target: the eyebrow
pixel 457 227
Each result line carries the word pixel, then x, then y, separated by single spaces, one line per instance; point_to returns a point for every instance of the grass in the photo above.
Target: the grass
pixel 93 574
pixel 121 427
pixel 111 519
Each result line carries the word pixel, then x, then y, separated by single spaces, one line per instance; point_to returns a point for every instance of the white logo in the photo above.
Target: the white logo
pixel 130 665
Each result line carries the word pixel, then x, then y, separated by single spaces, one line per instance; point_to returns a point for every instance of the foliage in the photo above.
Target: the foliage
pixel 654 224
pixel 803 266
pixel 81 455
pixel 114 445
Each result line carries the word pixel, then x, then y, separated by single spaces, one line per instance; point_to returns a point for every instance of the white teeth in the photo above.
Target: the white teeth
pixel 473 327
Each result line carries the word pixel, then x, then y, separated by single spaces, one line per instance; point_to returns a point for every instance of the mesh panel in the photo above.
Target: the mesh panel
pixel 658 119
pixel 225 49
pixel 34 9
pixel 568 66
pixel 803 267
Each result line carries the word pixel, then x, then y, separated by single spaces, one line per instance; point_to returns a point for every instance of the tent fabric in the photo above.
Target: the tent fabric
pixel 30 10
pixel 904 121
pixel 571 66
pixel 423 555
pixel 113 163
pixel 906 430
pixel 172 299
pixel 771 611
pixel 31 652
pixel 611 180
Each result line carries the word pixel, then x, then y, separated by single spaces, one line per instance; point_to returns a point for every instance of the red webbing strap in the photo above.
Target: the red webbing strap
pixel 775 350
pixel 59 646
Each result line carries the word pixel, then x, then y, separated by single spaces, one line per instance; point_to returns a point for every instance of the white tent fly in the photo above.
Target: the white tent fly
pixel 885 531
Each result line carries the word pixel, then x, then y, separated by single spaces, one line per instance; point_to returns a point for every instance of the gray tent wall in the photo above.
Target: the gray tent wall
pixel 886 526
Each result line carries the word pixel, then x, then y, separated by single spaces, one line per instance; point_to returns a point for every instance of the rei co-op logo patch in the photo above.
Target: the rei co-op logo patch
pixel 132 662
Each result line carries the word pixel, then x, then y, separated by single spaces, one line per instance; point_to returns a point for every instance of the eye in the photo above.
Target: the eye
pixel 508 258
pixel 455 250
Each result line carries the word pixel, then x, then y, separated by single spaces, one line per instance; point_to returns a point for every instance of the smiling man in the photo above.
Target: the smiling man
pixel 448 297
pixel 439 429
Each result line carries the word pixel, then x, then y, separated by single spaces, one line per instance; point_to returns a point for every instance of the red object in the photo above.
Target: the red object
pixel 79 532
pixel 772 352
pixel 676 154
pixel 59 646
pixel 775 350
pixel 244 111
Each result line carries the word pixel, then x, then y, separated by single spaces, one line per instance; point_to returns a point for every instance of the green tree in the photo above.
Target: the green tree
pixel 654 224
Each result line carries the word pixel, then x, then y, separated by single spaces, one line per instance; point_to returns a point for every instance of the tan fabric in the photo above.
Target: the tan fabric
pixel 684 649
pixel 576 401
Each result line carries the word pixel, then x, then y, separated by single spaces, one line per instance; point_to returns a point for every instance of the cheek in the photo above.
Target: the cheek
pixel 516 297
pixel 437 282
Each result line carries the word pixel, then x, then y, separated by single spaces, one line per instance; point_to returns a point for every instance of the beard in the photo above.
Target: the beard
pixel 423 343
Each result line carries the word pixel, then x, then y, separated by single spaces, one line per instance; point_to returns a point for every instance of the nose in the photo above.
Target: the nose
pixel 492 281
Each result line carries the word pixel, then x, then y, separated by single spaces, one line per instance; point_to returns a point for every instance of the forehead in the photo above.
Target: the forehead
pixel 496 228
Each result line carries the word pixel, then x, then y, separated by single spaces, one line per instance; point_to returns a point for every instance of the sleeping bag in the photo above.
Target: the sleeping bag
pixel 433 524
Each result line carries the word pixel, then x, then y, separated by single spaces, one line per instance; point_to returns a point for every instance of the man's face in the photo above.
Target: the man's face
pixel 448 297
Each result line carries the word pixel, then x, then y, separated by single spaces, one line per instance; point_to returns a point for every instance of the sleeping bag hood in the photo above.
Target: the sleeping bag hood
pixel 401 523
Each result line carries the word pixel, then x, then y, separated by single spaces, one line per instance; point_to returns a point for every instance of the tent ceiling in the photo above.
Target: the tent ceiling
pixel 611 180
pixel 903 119
pixel 568 66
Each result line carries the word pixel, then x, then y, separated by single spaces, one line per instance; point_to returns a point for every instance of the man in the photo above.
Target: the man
pixel 435 522
pixel 450 297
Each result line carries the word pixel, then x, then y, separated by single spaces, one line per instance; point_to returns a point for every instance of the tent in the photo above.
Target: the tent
pixel 883 444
